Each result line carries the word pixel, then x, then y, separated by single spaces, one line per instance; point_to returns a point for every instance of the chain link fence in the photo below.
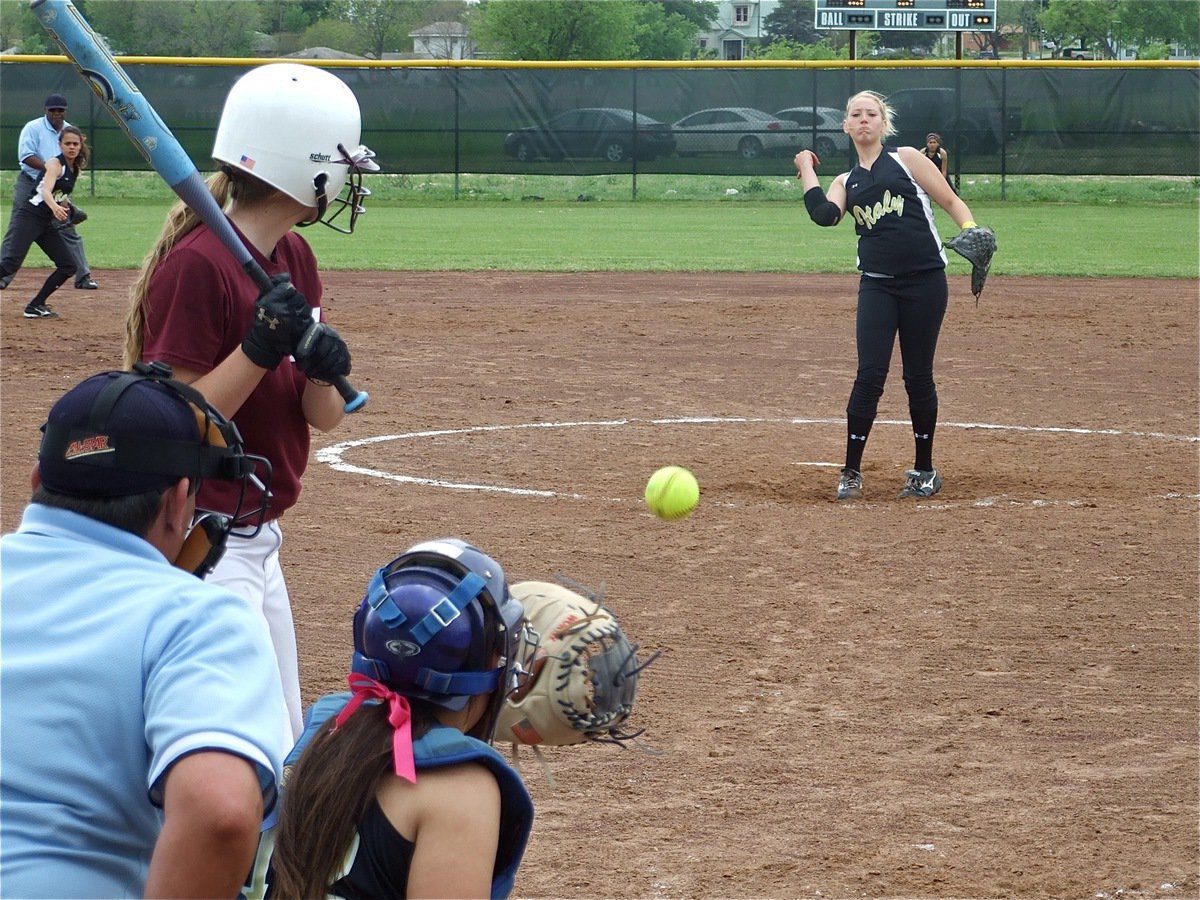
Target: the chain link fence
pixel 720 119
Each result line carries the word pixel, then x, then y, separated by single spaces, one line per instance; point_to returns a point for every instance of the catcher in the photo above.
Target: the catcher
pixel 903 289
pixel 393 789
pixel 580 672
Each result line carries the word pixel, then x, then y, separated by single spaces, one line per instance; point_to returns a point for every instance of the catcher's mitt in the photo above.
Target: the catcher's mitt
pixel 582 671
pixel 977 246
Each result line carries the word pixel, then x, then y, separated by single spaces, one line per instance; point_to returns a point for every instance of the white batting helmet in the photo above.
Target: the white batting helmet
pixel 297 128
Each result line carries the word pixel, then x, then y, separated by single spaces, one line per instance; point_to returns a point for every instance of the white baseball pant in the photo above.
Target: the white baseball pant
pixel 250 567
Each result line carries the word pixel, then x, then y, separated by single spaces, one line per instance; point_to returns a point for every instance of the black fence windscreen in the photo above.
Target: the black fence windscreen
pixel 734 121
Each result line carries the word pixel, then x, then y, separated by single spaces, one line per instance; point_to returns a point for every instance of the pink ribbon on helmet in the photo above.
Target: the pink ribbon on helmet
pixel 399 716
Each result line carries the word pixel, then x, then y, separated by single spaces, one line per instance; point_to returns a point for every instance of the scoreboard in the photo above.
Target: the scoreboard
pixel 906 15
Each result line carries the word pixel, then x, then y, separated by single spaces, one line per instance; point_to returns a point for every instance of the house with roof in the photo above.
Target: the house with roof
pixel 442 40
pixel 738 26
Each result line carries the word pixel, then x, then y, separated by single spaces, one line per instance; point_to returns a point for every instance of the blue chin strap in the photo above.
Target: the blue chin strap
pixel 445 611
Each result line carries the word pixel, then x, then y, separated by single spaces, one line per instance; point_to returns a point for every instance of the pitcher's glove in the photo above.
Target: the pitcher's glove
pixel 582 671
pixel 977 246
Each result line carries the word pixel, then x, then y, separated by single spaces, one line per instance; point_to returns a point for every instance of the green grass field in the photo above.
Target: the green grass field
pixel 1142 227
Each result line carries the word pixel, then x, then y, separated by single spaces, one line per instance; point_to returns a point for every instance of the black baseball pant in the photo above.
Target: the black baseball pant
pixel 23 191
pixel 912 306
pixel 29 227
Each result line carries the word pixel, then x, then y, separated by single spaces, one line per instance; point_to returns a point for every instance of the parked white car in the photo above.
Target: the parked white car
pixel 818 129
pixel 747 132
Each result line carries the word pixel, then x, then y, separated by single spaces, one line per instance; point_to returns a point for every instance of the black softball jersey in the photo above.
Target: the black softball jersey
pixel 62 188
pixel 893 219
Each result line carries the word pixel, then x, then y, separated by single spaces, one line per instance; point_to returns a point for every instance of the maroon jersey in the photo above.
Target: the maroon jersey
pixel 201 304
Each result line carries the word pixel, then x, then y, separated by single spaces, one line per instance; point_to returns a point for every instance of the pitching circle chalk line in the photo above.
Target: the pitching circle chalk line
pixel 334 455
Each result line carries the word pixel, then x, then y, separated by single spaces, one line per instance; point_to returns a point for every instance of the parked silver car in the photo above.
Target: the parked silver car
pixel 747 132
pixel 820 129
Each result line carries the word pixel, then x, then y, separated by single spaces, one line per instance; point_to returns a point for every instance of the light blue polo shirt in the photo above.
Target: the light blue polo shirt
pixel 113 665
pixel 39 138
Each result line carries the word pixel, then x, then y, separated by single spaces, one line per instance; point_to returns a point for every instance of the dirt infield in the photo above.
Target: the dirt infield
pixel 991 693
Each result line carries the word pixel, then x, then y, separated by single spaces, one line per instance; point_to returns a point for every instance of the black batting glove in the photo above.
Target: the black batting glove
pixel 322 355
pixel 281 316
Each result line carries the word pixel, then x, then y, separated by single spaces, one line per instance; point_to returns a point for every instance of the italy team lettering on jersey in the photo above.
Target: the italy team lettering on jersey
pixel 893 219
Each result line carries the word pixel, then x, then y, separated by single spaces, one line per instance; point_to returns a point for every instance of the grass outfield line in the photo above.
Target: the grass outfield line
pixel 1114 240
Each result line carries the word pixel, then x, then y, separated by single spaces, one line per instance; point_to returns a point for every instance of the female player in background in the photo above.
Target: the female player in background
pixel 936 153
pixel 902 290
pixel 34 222
pixel 287 142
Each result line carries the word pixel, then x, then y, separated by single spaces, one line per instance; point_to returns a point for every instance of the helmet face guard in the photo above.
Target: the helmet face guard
pixel 353 194
pixel 438 624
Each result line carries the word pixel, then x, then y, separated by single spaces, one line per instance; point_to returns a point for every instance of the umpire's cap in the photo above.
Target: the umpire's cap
pixel 55 101
pixel 122 433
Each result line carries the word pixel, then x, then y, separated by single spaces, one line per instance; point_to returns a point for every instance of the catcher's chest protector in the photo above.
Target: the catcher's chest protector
pixel 445 746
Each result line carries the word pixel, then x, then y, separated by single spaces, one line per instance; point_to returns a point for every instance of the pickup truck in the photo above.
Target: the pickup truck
pixel 980 129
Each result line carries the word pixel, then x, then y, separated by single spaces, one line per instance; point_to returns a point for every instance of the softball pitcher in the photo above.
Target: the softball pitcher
pixel 902 290
pixel 287 143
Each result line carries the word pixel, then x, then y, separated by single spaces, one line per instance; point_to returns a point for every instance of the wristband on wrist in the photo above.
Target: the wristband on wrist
pixel 970 223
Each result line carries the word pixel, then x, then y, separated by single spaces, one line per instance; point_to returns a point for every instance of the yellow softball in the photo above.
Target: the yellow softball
pixel 672 492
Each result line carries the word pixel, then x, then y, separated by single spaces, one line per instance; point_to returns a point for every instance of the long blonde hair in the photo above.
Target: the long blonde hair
pixel 889 114
pixel 226 186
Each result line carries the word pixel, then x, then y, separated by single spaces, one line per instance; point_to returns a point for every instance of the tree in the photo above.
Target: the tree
pixel 1090 22
pixel 556 29
pixel 221 28
pixel 700 13
pixel 332 33
pixel 792 20
pixel 143 27
pixel 783 48
pixel 19 28
pixel 167 28
pixel 1160 21
pixel 291 16
pixel 661 33
pixel 379 25
pixel 1018 19
pixel 1111 24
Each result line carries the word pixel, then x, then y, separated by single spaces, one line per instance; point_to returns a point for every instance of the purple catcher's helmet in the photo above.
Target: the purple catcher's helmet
pixel 438 624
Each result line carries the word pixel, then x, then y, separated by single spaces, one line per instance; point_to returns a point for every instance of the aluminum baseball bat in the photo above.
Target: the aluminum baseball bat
pixel 154 140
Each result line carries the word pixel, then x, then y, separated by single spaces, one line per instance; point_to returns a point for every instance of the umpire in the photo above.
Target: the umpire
pixel 38 143
pixel 141 708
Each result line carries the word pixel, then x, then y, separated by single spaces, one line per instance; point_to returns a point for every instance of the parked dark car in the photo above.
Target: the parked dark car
pixel 978 128
pixel 614 135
